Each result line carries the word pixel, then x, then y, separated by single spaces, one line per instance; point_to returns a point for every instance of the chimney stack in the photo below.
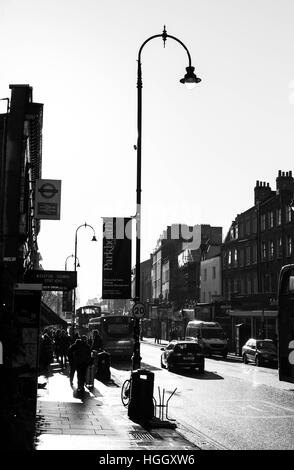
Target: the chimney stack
pixel 284 181
pixel 262 191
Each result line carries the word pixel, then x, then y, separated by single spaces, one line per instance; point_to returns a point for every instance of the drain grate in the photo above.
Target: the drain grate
pixel 144 436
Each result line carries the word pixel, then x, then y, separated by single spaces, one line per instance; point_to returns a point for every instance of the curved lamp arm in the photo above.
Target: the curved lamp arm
pixel 71 256
pixel 76 239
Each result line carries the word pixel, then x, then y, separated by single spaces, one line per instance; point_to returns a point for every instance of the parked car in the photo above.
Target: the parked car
pixel 260 351
pixel 182 354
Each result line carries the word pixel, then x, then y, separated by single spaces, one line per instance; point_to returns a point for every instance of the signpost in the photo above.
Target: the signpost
pixel 47 199
pixel 138 310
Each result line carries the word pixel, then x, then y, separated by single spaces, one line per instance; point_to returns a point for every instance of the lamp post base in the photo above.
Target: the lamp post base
pixel 136 357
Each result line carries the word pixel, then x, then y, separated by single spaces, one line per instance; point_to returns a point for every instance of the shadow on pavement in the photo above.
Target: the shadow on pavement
pixel 127 365
pixel 208 375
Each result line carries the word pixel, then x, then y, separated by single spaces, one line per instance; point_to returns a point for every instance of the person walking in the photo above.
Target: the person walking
pixel 79 355
pixel 46 353
pixel 97 343
pixel 64 344
pixel 72 369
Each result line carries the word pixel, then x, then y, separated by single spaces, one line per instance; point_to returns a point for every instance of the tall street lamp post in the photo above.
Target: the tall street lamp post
pixel 71 256
pixel 190 80
pixel 75 268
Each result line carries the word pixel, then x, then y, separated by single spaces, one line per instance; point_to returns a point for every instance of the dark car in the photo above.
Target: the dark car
pixel 260 351
pixel 182 354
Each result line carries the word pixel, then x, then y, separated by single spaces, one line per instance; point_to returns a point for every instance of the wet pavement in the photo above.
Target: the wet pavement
pixel 96 421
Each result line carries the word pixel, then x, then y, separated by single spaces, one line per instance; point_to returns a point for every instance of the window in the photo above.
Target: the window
pixel 248 285
pixel 254 224
pixel 247 227
pixel 237 287
pixel 279 216
pixel 255 284
pixel 236 231
pixel 241 257
pixel 271 219
pixel 205 274
pixel 288 213
pixel 279 248
pixel 262 222
pixel 248 260
pixel 263 250
pixel 243 286
pixel 289 245
pixel 235 252
pixel 271 249
pixel 254 253
pixel 213 272
pixel 230 258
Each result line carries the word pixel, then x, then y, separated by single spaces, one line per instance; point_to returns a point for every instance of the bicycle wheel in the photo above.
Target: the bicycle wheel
pixel 125 392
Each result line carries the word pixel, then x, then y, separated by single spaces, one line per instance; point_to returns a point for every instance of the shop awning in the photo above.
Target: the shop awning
pixel 49 318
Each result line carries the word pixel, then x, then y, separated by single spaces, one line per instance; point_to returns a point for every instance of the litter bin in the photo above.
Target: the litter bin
pixel 102 361
pixel 141 406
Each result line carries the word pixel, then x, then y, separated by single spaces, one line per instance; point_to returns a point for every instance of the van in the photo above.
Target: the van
pixel 210 336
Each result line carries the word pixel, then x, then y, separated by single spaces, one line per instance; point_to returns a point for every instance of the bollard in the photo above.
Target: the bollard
pixel 141 406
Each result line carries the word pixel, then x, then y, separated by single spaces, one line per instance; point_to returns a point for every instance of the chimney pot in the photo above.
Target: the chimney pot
pixel 280 173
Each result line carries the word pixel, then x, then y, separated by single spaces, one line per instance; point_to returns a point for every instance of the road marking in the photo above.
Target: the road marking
pixel 260 407
pixel 282 407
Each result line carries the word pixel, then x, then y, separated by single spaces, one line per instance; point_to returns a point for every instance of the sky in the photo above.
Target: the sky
pixel 202 150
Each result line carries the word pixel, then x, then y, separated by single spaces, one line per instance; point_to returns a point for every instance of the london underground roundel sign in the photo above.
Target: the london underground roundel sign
pixel 138 310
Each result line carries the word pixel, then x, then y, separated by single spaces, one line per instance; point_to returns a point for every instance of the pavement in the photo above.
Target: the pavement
pixel 97 421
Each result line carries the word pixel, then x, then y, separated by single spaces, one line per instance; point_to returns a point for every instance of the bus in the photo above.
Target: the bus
pixel 117 334
pixel 83 315
pixel 286 323
pixel 210 335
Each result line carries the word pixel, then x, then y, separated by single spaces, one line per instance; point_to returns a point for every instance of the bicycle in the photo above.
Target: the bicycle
pixel 125 392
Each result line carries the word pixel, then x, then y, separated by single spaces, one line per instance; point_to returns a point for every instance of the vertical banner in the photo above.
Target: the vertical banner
pixel 117 250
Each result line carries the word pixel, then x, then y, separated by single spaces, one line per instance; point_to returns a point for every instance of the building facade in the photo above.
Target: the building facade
pixel 21 163
pixel 258 244
pixel 20 168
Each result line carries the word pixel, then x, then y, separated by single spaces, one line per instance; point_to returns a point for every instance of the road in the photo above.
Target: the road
pixel 232 406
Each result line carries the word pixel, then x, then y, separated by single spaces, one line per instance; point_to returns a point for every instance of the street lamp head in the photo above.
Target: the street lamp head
pixel 94 239
pixel 190 79
pixel 78 265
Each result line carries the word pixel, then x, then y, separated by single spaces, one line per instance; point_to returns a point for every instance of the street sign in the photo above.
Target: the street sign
pixel 138 310
pixel 47 199
pixel 52 280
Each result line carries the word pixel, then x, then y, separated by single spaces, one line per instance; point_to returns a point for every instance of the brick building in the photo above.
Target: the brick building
pixel 258 244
